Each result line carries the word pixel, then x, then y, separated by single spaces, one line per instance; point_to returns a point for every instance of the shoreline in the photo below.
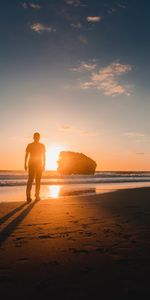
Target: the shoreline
pixel 16 193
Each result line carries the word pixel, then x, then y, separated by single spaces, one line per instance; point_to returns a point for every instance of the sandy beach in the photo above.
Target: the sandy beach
pixel 92 247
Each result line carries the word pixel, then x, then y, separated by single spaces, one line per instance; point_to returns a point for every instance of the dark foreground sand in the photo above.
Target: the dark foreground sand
pixel 77 248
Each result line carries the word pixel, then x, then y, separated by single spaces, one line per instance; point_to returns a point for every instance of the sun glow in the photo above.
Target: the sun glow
pixel 52 155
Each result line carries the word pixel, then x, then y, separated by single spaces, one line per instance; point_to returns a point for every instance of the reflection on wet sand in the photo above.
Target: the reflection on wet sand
pixel 56 191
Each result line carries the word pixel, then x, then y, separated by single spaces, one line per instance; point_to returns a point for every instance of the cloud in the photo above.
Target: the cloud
pixel 135 134
pixel 24 5
pixel 30 5
pixel 121 6
pixel 112 9
pixel 76 25
pixel 65 127
pixel 86 85
pixel 71 129
pixel 140 153
pixel 35 6
pixel 84 66
pixel 73 2
pixel 94 19
pixel 39 28
pixel 83 39
pixel 107 80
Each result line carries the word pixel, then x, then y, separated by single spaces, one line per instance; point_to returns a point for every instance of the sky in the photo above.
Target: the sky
pixel 78 72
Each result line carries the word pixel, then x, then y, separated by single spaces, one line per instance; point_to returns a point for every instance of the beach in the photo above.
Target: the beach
pixel 79 247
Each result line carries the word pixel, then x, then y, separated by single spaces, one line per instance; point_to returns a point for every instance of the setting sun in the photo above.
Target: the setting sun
pixel 52 155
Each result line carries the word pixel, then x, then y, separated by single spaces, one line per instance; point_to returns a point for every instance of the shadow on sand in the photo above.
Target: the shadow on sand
pixel 7 231
pixel 11 213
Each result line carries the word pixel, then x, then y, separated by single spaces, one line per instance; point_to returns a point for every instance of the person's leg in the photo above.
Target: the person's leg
pixel 38 176
pixel 29 183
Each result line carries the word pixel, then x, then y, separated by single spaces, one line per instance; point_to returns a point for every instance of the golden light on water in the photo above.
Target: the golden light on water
pixel 54 191
pixel 52 155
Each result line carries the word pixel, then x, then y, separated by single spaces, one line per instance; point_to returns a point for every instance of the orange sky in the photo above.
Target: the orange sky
pixel 12 156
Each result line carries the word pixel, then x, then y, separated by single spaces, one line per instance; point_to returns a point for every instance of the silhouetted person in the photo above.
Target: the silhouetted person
pixel 35 163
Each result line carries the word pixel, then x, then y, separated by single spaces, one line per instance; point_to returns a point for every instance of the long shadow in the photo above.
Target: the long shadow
pixel 11 213
pixel 7 231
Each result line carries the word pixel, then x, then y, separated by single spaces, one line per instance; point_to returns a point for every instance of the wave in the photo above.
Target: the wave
pixel 19 178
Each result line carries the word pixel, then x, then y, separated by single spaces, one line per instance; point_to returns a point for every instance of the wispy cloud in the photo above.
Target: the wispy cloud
pixel 26 5
pixel 113 9
pixel 83 39
pixel 67 128
pixel 34 6
pixel 107 80
pixel 76 25
pixel 94 19
pixel 135 134
pixel 121 6
pixel 84 66
pixel 39 28
pixel 140 153
pixel 73 2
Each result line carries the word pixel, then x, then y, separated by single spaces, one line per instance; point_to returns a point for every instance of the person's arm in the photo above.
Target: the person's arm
pixel 44 158
pixel 26 159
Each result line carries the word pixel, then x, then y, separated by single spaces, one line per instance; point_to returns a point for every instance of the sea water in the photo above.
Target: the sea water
pixel 53 185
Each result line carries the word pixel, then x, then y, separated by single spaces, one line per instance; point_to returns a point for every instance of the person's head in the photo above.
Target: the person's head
pixel 36 137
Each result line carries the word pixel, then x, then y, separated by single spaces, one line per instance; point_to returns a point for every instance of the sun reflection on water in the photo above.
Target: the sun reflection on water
pixel 54 191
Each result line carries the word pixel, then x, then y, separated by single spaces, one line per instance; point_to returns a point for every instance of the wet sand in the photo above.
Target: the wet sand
pixel 92 247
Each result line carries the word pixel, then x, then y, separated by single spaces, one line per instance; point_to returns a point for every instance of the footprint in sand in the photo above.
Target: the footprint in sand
pixel 74 222
pixel 19 238
pixel 85 225
pixel 48 236
pixel 87 233
pixel 71 239
pixel 18 245
pixel 95 219
pixel 23 260
pixel 102 249
pixel 79 251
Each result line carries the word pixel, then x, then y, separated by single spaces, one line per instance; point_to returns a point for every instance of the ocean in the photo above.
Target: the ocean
pixel 53 185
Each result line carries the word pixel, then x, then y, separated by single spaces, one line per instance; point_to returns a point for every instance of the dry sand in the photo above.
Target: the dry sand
pixel 92 247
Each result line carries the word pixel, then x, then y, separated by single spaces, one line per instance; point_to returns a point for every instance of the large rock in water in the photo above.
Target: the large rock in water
pixel 75 163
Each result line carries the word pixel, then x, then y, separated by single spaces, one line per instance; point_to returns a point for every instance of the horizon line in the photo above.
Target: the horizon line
pixel 21 170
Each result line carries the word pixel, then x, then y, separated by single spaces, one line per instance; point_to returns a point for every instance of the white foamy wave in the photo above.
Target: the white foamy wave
pixel 19 178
